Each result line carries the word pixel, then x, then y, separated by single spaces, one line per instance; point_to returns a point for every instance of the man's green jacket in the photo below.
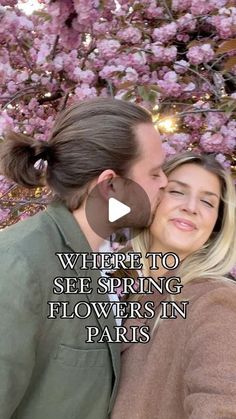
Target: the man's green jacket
pixel 47 370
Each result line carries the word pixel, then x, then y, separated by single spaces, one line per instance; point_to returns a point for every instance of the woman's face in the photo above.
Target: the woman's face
pixel 188 211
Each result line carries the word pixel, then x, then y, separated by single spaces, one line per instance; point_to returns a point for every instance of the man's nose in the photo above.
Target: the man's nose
pixel 164 180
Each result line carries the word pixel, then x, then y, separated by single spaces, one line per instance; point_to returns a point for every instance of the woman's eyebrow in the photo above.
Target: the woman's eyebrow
pixel 185 185
pixel 179 183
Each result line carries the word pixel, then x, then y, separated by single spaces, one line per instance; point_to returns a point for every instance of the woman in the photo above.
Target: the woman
pixel 188 368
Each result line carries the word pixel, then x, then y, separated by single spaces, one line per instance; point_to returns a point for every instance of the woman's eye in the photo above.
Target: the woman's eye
pixel 176 192
pixel 208 203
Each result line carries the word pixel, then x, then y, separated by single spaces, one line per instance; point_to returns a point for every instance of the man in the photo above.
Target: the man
pixel 47 370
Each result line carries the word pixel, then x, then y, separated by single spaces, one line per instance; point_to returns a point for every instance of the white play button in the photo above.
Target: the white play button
pixel 117 209
pixel 126 208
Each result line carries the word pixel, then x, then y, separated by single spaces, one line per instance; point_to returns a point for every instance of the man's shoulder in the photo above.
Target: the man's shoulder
pixel 30 236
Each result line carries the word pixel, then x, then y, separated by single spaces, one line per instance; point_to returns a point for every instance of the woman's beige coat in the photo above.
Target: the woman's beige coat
pixel 188 369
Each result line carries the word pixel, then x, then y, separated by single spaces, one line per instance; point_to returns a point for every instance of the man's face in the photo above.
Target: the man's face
pixel 147 170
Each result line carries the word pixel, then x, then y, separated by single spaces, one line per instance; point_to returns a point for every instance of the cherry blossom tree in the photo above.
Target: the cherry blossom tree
pixel 176 57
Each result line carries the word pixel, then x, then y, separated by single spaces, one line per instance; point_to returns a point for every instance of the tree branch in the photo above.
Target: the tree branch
pixel 200 111
pixel 20 202
pixel 11 188
pixel 18 95
pixel 203 78
pixel 53 52
pixel 64 101
pixel 167 9
pixel 55 96
pixel 23 53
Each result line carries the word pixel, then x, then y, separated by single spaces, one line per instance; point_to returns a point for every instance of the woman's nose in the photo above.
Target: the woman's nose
pixel 190 205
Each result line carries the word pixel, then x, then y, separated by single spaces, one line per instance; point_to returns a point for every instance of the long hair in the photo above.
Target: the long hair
pixel 217 256
pixel 87 138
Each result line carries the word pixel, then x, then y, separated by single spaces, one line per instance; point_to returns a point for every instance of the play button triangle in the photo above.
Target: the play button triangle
pixel 116 209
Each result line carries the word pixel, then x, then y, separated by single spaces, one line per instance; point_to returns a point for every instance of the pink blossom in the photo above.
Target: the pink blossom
pixel 110 70
pixel 187 23
pixel 130 75
pixel 164 54
pixel 59 11
pixel 183 37
pixel 153 11
pixel 25 215
pixel 170 76
pixel 194 121
pixel 87 11
pixel 120 94
pixel 145 78
pixel 6 72
pixel 162 71
pixel 223 160
pixel 97 63
pixel 4 55
pixel 165 33
pixel 22 76
pixel 201 104
pixel 58 62
pixel 229 132
pixel 233 272
pixel 33 104
pixel 70 38
pixel 122 9
pixel 11 87
pixel 4 213
pixel 138 59
pixel 181 5
pixel 5 185
pixel 10 3
pixel 170 88
pixel 214 120
pixel 214 142
pixel 168 149
pixel 85 76
pixel 130 34
pixel 200 7
pixel 189 87
pixel 85 91
pixel 43 53
pixel 6 123
pixel 179 141
pixel 100 28
pixel 108 47
pixel 200 54
pixel 87 48
pixel 209 143
pixel 15 22
pixel 225 26
pixel 170 54
pixel 35 77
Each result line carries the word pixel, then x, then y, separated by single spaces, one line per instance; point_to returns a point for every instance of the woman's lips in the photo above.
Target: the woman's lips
pixel 183 224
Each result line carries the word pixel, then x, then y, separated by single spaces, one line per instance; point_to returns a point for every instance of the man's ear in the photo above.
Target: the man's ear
pixel 105 183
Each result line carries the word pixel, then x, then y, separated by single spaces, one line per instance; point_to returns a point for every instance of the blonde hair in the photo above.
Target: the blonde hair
pixel 217 256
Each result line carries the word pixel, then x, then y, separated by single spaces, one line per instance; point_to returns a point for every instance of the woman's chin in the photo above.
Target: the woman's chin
pixel 178 248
